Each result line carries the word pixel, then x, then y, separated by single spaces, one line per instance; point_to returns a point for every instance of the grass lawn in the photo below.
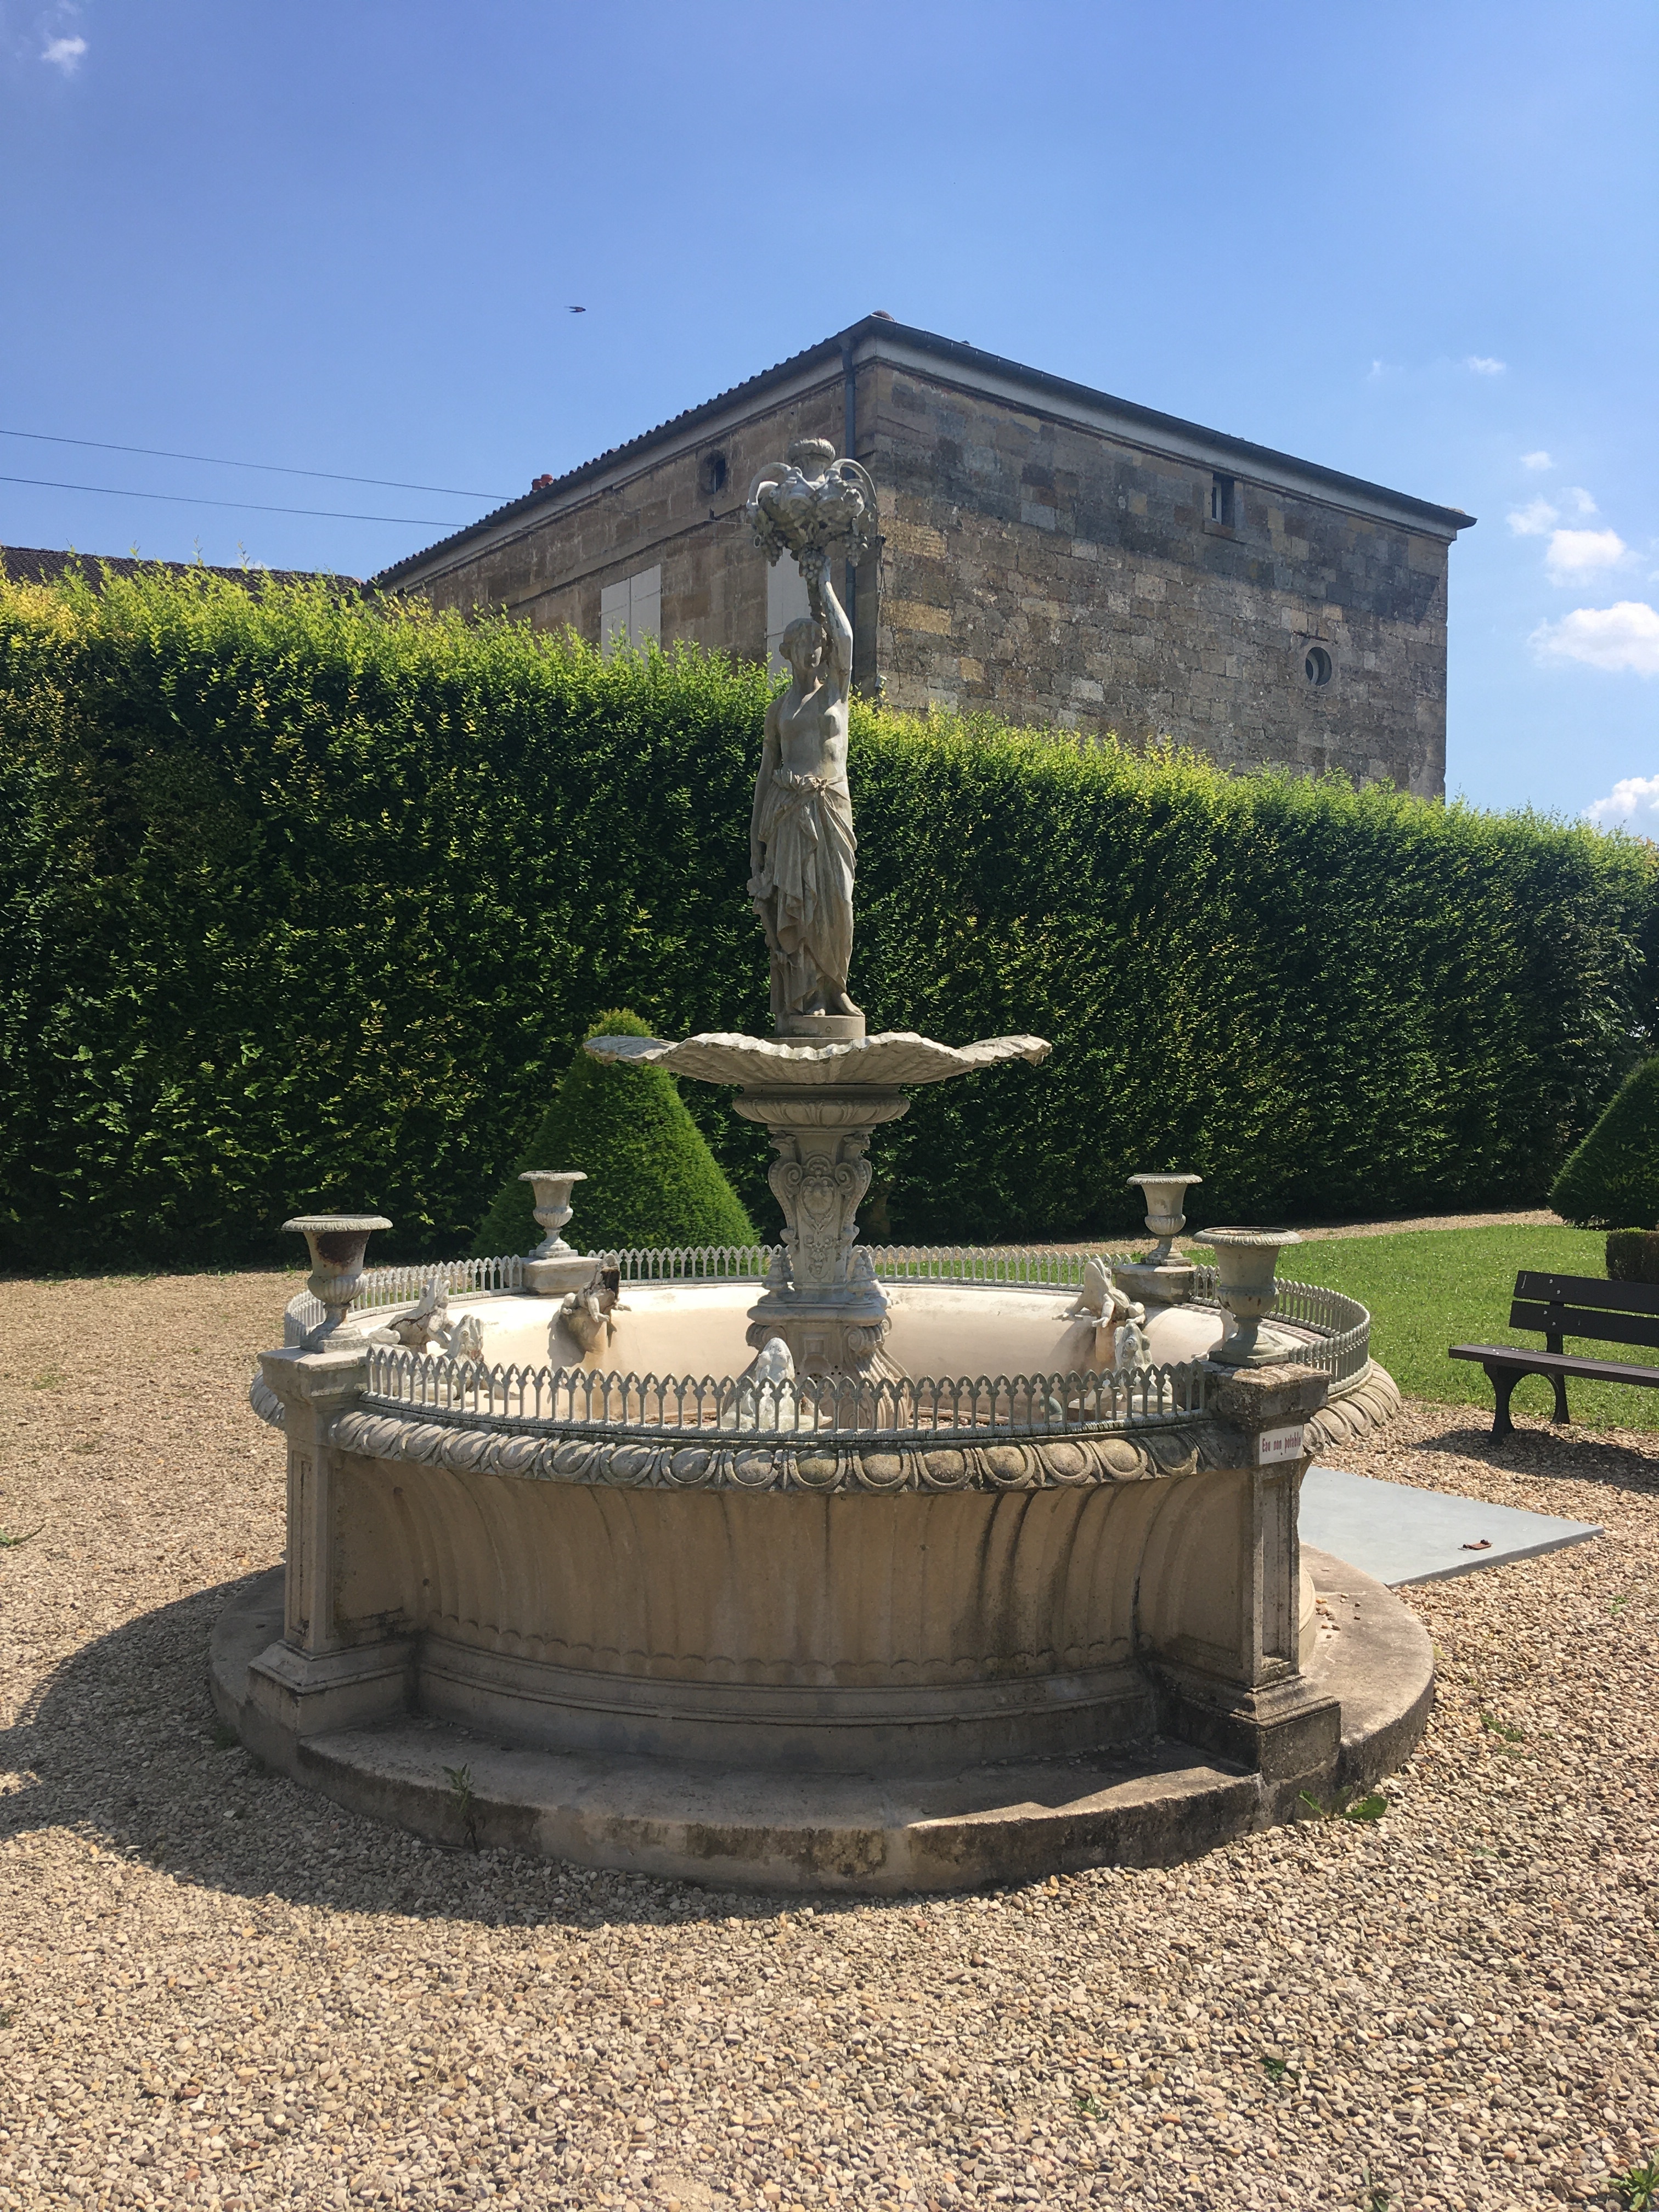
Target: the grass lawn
pixel 1428 1288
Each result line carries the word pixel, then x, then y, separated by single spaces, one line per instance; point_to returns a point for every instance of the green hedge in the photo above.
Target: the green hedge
pixel 1633 1255
pixel 650 1180
pixel 1614 1176
pixel 308 901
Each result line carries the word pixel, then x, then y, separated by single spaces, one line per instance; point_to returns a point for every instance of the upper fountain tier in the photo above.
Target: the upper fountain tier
pixel 764 1064
pixel 821 1104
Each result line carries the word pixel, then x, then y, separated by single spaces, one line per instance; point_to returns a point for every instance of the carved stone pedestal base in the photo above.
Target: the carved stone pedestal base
pixel 1155 1282
pixel 307 1693
pixel 818 1029
pixel 829 1337
pixel 821 1296
pixel 551 1279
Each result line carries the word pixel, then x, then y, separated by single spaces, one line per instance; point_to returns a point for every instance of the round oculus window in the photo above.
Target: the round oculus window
pixel 1317 667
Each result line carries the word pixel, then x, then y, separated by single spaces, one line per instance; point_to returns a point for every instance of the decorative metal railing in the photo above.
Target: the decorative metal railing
pixel 1343 1348
pixel 382 1287
pixel 1340 1346
pixel 563 1399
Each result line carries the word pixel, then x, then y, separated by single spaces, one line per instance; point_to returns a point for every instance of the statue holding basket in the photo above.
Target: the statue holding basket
pixel 802 850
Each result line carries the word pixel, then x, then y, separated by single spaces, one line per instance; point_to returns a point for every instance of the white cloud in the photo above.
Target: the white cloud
pixel 1532 519
pixel 1575 553
pixel 1483 365
pixel 1632 804
pixel 1583 503
pixel 1538 460
pixel 1620 639
pixel 63 53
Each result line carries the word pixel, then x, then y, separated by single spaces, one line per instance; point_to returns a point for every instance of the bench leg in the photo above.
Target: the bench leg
pixel 1503 1380
pixel 1560 1416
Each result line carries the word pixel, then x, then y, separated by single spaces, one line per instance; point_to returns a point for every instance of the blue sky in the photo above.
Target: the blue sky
pixel 1412 241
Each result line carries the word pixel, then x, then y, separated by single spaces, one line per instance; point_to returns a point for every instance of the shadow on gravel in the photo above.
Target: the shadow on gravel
pixel 1539 1450
pixel 123 1746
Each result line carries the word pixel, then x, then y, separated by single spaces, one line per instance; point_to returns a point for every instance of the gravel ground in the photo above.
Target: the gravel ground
pixel 216 1990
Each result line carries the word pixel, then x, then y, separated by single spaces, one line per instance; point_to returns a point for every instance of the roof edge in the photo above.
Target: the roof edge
pixel 869 338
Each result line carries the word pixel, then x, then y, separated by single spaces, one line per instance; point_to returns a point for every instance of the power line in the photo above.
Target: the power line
pixel 252 507
pixel 271 468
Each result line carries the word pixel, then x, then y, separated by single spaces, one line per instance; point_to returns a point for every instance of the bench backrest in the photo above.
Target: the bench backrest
pixel 1585 1305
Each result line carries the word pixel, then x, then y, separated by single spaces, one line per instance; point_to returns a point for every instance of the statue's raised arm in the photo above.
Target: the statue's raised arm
pixel 831 618
pixel 802 849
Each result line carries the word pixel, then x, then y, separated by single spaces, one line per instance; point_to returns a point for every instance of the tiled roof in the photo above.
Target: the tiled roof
pixel 974 363
pixel 551 487
pixel 37 564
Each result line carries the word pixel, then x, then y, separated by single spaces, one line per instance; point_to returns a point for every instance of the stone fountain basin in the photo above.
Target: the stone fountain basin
pixel 763 1625
pixel 938 1329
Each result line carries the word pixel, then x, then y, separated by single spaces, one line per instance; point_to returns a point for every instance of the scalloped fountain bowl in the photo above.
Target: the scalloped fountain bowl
pixel 1002 1612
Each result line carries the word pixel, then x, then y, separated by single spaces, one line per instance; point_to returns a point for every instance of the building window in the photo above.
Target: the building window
pixel 1223 501
pixel 711 476
pixel 631 612
pixel 1318 667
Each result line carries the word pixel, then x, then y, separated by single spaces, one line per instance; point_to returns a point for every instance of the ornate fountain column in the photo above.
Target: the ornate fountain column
pixel 821 1104
pixel 821 1296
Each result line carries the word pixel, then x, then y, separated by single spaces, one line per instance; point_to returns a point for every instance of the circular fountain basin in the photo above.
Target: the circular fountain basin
pixel 842 1618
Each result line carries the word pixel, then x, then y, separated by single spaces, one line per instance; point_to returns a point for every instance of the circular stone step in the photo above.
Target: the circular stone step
pixel 697 1822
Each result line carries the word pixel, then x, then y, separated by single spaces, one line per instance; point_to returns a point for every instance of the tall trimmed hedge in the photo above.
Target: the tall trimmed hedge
pixel 306 901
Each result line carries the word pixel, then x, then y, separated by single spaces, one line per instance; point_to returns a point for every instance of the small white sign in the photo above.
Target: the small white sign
pixel 1272 1445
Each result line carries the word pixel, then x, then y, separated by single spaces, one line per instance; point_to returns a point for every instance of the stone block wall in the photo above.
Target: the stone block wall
pixel 713 581
pixel 1060 577
pixel 1054 572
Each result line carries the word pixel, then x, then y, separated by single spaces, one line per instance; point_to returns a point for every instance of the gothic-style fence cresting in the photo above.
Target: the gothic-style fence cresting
pixel 550 1400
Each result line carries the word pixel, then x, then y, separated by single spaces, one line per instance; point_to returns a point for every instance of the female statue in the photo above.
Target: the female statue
pixel 801 846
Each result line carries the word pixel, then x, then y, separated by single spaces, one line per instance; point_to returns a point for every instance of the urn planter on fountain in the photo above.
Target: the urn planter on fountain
pixel 336 1242
pixel 1159 1275
pixel 1247 1262
pixel 551 1268
pixel 820 1567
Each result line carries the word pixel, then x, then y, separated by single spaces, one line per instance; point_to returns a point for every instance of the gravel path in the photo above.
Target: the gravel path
pixel 215 1990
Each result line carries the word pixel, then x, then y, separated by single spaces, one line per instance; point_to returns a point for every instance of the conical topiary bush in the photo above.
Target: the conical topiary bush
pixel 1612 1181
pixel 652 1179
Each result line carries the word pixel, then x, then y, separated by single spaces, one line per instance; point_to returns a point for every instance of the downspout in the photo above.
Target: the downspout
pixel 849 415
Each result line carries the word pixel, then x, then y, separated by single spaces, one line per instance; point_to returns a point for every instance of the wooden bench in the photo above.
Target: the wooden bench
pixel 1568 1305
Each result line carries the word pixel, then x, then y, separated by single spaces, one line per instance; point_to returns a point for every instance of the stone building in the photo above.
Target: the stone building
pixel 1049 553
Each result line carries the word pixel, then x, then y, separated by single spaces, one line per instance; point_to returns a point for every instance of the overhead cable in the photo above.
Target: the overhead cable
pixel 253 506
pixel 271 468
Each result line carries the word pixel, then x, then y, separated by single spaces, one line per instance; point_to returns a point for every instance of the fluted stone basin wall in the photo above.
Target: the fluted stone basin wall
pixel 848 1630
pixel 603 1562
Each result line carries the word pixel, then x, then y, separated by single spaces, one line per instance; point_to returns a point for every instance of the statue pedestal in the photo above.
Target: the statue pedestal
pixel 1155 1282
pixel 820 1028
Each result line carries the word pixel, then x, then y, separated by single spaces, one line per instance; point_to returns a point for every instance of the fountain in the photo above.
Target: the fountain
pixel 818 1565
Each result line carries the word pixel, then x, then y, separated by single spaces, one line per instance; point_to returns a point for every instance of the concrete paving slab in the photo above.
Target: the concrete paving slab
pixel 1397 1533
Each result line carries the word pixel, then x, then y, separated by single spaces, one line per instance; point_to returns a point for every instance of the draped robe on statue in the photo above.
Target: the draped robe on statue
pixel 804 888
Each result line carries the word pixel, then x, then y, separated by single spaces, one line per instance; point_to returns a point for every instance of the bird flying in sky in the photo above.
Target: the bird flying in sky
pixel 578 311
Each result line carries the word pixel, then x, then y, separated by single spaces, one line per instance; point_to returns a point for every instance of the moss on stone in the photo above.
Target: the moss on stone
pixel 651 1180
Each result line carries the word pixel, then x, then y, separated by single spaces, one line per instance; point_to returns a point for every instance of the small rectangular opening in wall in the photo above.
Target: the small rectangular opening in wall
pixel 1224 499
pixel 631 611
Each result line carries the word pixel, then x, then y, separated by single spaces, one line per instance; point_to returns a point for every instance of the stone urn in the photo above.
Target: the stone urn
pixel 337 1242
pixel 553 1268
pixel 1160 1278
pixel 1247 1262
